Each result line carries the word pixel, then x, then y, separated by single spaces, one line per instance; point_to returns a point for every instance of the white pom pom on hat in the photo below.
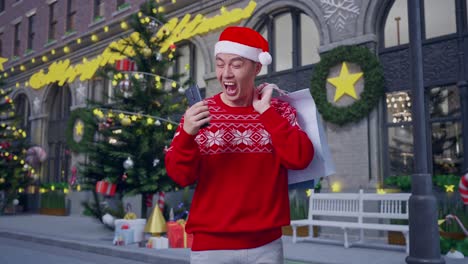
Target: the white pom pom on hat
pixel 245 42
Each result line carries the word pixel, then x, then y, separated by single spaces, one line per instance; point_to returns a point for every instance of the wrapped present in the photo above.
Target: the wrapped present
pixel 136 225
pixel 158 242
pixel 177 236
pixel 106 188
pixel 125 65
pixel 123 235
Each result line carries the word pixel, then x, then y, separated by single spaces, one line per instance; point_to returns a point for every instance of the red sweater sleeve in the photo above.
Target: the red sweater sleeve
pixel 182 158
pixel 289 141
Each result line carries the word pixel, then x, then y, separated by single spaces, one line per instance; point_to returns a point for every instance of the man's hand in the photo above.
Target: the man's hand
pixel 195 117
pixel 262 97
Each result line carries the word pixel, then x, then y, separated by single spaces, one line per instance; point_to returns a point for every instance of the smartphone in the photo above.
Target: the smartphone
pixel 193 96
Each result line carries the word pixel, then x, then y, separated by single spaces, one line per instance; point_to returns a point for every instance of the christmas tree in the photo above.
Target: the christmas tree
pixel 15 174
pixel 125 140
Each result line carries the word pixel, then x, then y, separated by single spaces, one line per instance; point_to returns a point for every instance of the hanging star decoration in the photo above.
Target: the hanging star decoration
pixel 2 60
pixel 449 188
pixel 79 128
pixel 345 82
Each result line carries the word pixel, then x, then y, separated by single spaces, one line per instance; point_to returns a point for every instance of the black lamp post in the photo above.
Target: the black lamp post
pixel 424 233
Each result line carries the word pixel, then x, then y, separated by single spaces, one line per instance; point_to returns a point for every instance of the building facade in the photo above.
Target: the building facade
pixel 35 34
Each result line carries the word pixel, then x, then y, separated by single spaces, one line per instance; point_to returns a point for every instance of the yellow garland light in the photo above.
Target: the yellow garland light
pixel 121 116
pixel 20 190
pixel 78 187
pixel 33 60
pixel 160 9
pixel 106 29
pixel 12 69
pixel 114 83
pixel 44 58
pixel 133 118
pixel 52 187
pixel 78 40
pixel 174 84
pixel 66 49
pixel 17 85
pixel 140 14
pixel 22 68
pixel 150 121
pixel 123 25
pixel 42 190
pixel 22 162
pixel 65 190
pixel 5 75
pixel 169 126
pixel 94 37
pixel 52 52
pixel 15 157
pixel 336 187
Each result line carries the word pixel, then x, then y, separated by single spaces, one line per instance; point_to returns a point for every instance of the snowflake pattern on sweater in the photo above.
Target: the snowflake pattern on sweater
pixel 242 131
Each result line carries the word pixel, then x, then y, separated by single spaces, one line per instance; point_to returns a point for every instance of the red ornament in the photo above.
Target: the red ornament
pixel 172 46
pixel 125 65
pixel 106 188
pixel 124 177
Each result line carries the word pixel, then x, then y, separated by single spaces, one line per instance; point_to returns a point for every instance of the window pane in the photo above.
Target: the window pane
pixel 447 148
pixel 182 61
pixel 200 70
pixel 310 41
pixel 400 147
pixel 264 33
pixel 440 17
pixel 398 107
pixel 444 101
pixel 283 42
pixel 396 26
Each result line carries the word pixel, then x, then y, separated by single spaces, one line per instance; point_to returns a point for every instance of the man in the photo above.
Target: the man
pixel 240 160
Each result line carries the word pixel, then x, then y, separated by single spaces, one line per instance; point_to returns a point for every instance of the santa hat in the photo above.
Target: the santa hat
pixel 245 42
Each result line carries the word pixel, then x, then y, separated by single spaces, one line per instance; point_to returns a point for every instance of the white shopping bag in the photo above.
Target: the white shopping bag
pixel 310 121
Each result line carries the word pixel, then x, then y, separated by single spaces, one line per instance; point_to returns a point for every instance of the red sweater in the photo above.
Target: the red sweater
pixel 240 164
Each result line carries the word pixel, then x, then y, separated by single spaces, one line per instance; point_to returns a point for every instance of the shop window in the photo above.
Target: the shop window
pixel 400 150
pixel 396 25
pixel 58 159
pixel 440 18
pixel 446 130
pixel 294 40
pixel 400 133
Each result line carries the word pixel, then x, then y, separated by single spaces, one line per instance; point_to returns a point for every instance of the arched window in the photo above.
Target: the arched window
pixel 58 155
pixel 293 37
pixel 442 95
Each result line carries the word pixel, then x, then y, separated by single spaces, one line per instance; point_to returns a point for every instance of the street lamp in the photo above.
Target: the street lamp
pixel 423 229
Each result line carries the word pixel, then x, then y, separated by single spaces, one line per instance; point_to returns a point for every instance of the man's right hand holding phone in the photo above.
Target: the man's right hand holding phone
pixel 195 117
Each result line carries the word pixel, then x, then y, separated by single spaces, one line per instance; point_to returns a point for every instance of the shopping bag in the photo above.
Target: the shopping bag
pixel 310 121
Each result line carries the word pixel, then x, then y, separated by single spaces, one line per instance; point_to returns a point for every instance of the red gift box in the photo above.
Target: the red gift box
pixel 125 65
pixel 177 236
pixel 106 188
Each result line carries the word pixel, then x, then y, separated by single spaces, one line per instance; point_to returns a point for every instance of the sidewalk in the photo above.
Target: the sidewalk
pixel 86 234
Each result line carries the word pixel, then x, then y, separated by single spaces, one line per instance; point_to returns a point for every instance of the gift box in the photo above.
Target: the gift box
pixel 123 236
pixel 177 236
pixel 136 225
pixel 158 242
pixel 125 65
pixel 106 188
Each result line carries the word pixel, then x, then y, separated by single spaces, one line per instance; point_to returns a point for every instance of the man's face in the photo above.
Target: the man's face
pixel 236 76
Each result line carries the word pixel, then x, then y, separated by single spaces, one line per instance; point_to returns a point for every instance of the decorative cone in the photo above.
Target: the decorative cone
pixel 156 223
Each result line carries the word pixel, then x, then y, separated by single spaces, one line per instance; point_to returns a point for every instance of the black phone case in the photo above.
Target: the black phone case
pixel 193 95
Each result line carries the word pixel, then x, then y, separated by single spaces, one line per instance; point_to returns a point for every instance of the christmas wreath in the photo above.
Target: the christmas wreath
pixel 373 84
pixel 79 130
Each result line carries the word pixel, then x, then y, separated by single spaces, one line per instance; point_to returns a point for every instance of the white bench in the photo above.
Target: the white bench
pixel 355 211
